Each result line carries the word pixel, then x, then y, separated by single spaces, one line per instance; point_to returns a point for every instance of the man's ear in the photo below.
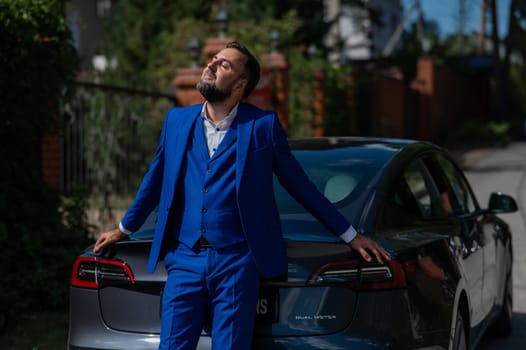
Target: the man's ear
pixel 241 84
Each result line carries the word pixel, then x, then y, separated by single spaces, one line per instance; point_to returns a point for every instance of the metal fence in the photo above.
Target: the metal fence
pixel 108 138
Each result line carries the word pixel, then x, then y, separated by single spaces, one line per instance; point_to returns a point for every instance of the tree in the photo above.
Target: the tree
pixel 39 233
pixel 136 37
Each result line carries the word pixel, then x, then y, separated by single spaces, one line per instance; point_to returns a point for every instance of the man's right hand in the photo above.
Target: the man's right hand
pixel 107 238
pixel 365 246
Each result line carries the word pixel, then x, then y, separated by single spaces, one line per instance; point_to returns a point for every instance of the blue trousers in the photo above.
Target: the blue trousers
pixel 207 284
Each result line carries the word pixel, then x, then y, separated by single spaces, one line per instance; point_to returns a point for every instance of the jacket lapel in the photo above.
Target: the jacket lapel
pixel 229 138
pixel 244 133
pixel 177 140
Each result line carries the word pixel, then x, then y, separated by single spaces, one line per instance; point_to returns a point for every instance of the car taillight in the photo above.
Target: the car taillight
pixel 93 272
pixel 361 275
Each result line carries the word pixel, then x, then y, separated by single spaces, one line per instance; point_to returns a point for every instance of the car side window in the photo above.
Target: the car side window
pixel 413 197
pixel 464 202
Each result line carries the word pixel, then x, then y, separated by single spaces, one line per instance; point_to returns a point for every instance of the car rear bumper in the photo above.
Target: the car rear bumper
pixel 88 331
pixel 371 329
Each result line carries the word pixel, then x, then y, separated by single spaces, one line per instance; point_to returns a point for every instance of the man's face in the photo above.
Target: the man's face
pixel 223 75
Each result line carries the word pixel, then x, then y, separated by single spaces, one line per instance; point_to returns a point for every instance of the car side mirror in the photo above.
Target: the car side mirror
pixel 502 203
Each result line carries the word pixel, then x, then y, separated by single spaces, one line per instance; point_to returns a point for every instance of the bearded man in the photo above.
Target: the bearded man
pixel 218 228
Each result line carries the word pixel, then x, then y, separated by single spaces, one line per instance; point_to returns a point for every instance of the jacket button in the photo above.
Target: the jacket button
pixel 205 189
pixel 203 230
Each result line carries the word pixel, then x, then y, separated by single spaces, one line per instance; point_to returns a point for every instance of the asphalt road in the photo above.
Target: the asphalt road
pixel 504 170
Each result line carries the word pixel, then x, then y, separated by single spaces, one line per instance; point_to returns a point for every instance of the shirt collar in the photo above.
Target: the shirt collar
pixel 223 124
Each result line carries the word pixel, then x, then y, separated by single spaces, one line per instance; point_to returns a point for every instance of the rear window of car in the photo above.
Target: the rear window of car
pixel 343 176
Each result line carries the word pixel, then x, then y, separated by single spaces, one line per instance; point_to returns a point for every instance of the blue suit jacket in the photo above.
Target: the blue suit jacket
pixel 262 149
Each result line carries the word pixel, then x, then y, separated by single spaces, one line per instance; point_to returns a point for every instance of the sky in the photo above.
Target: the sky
pixel 446 13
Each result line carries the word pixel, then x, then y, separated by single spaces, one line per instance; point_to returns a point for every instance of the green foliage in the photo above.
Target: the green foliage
pixel 339 115
pixel 38 245
pixel 31 30
pixel 301 94
pixel 256 34
pixel 175 52
pixel 137 37
pixel 517 98
pixel 254 9
pixel 40 331
pixel 477 133
pixel 341 102
pixel 118 137
pixel 309 24
pixel 174 44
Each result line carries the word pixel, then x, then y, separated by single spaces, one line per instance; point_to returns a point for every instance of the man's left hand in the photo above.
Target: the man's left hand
pixel 366 246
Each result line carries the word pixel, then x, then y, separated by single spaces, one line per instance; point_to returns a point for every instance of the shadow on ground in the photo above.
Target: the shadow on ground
pixel 517 340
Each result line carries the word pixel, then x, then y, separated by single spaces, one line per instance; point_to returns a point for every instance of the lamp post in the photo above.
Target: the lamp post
pixel 274 41
pixel 195 51
pixel 275 70
pixel 222 22
pixel 186 78
pixel 100 63
pixel 311 51
pixel 104 8
pixel 214 45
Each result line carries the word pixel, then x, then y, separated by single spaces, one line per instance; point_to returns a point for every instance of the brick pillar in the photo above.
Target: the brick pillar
pixel 185 81
pixel 214 45
pixel 424 84
pixel 50 155
pixel 276 65
pixel 319 102
pixel 388 108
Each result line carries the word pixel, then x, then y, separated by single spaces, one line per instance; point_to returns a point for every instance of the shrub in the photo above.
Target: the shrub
pixel 476 133
pixel 40 232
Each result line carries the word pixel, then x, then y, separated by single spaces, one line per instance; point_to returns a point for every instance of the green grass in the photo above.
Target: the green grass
pixel 43 331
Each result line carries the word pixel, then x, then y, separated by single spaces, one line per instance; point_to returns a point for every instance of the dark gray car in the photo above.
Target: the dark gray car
pixel 449 282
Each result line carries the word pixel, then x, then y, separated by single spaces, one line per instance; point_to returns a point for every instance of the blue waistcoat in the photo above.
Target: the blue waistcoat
pixel 206 196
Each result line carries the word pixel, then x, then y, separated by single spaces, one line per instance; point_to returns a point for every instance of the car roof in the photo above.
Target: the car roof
pixel 348 141
pixel 389 146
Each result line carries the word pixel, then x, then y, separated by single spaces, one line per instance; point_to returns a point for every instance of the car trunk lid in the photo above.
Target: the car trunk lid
pixel 133 307
pixel 317 296
pixel 294 306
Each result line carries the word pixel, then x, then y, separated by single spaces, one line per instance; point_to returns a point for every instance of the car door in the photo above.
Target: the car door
pixel 415 222
pixel 478 243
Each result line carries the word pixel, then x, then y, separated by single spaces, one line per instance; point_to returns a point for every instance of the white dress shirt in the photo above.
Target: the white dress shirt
pixel 215 133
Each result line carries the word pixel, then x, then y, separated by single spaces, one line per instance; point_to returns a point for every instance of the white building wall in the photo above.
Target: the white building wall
pixel 354 36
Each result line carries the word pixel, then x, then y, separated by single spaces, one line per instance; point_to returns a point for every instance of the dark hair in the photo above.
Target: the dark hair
pixel 252 68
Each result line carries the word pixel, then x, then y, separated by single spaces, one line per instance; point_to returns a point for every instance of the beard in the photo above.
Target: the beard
pixel 212 93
